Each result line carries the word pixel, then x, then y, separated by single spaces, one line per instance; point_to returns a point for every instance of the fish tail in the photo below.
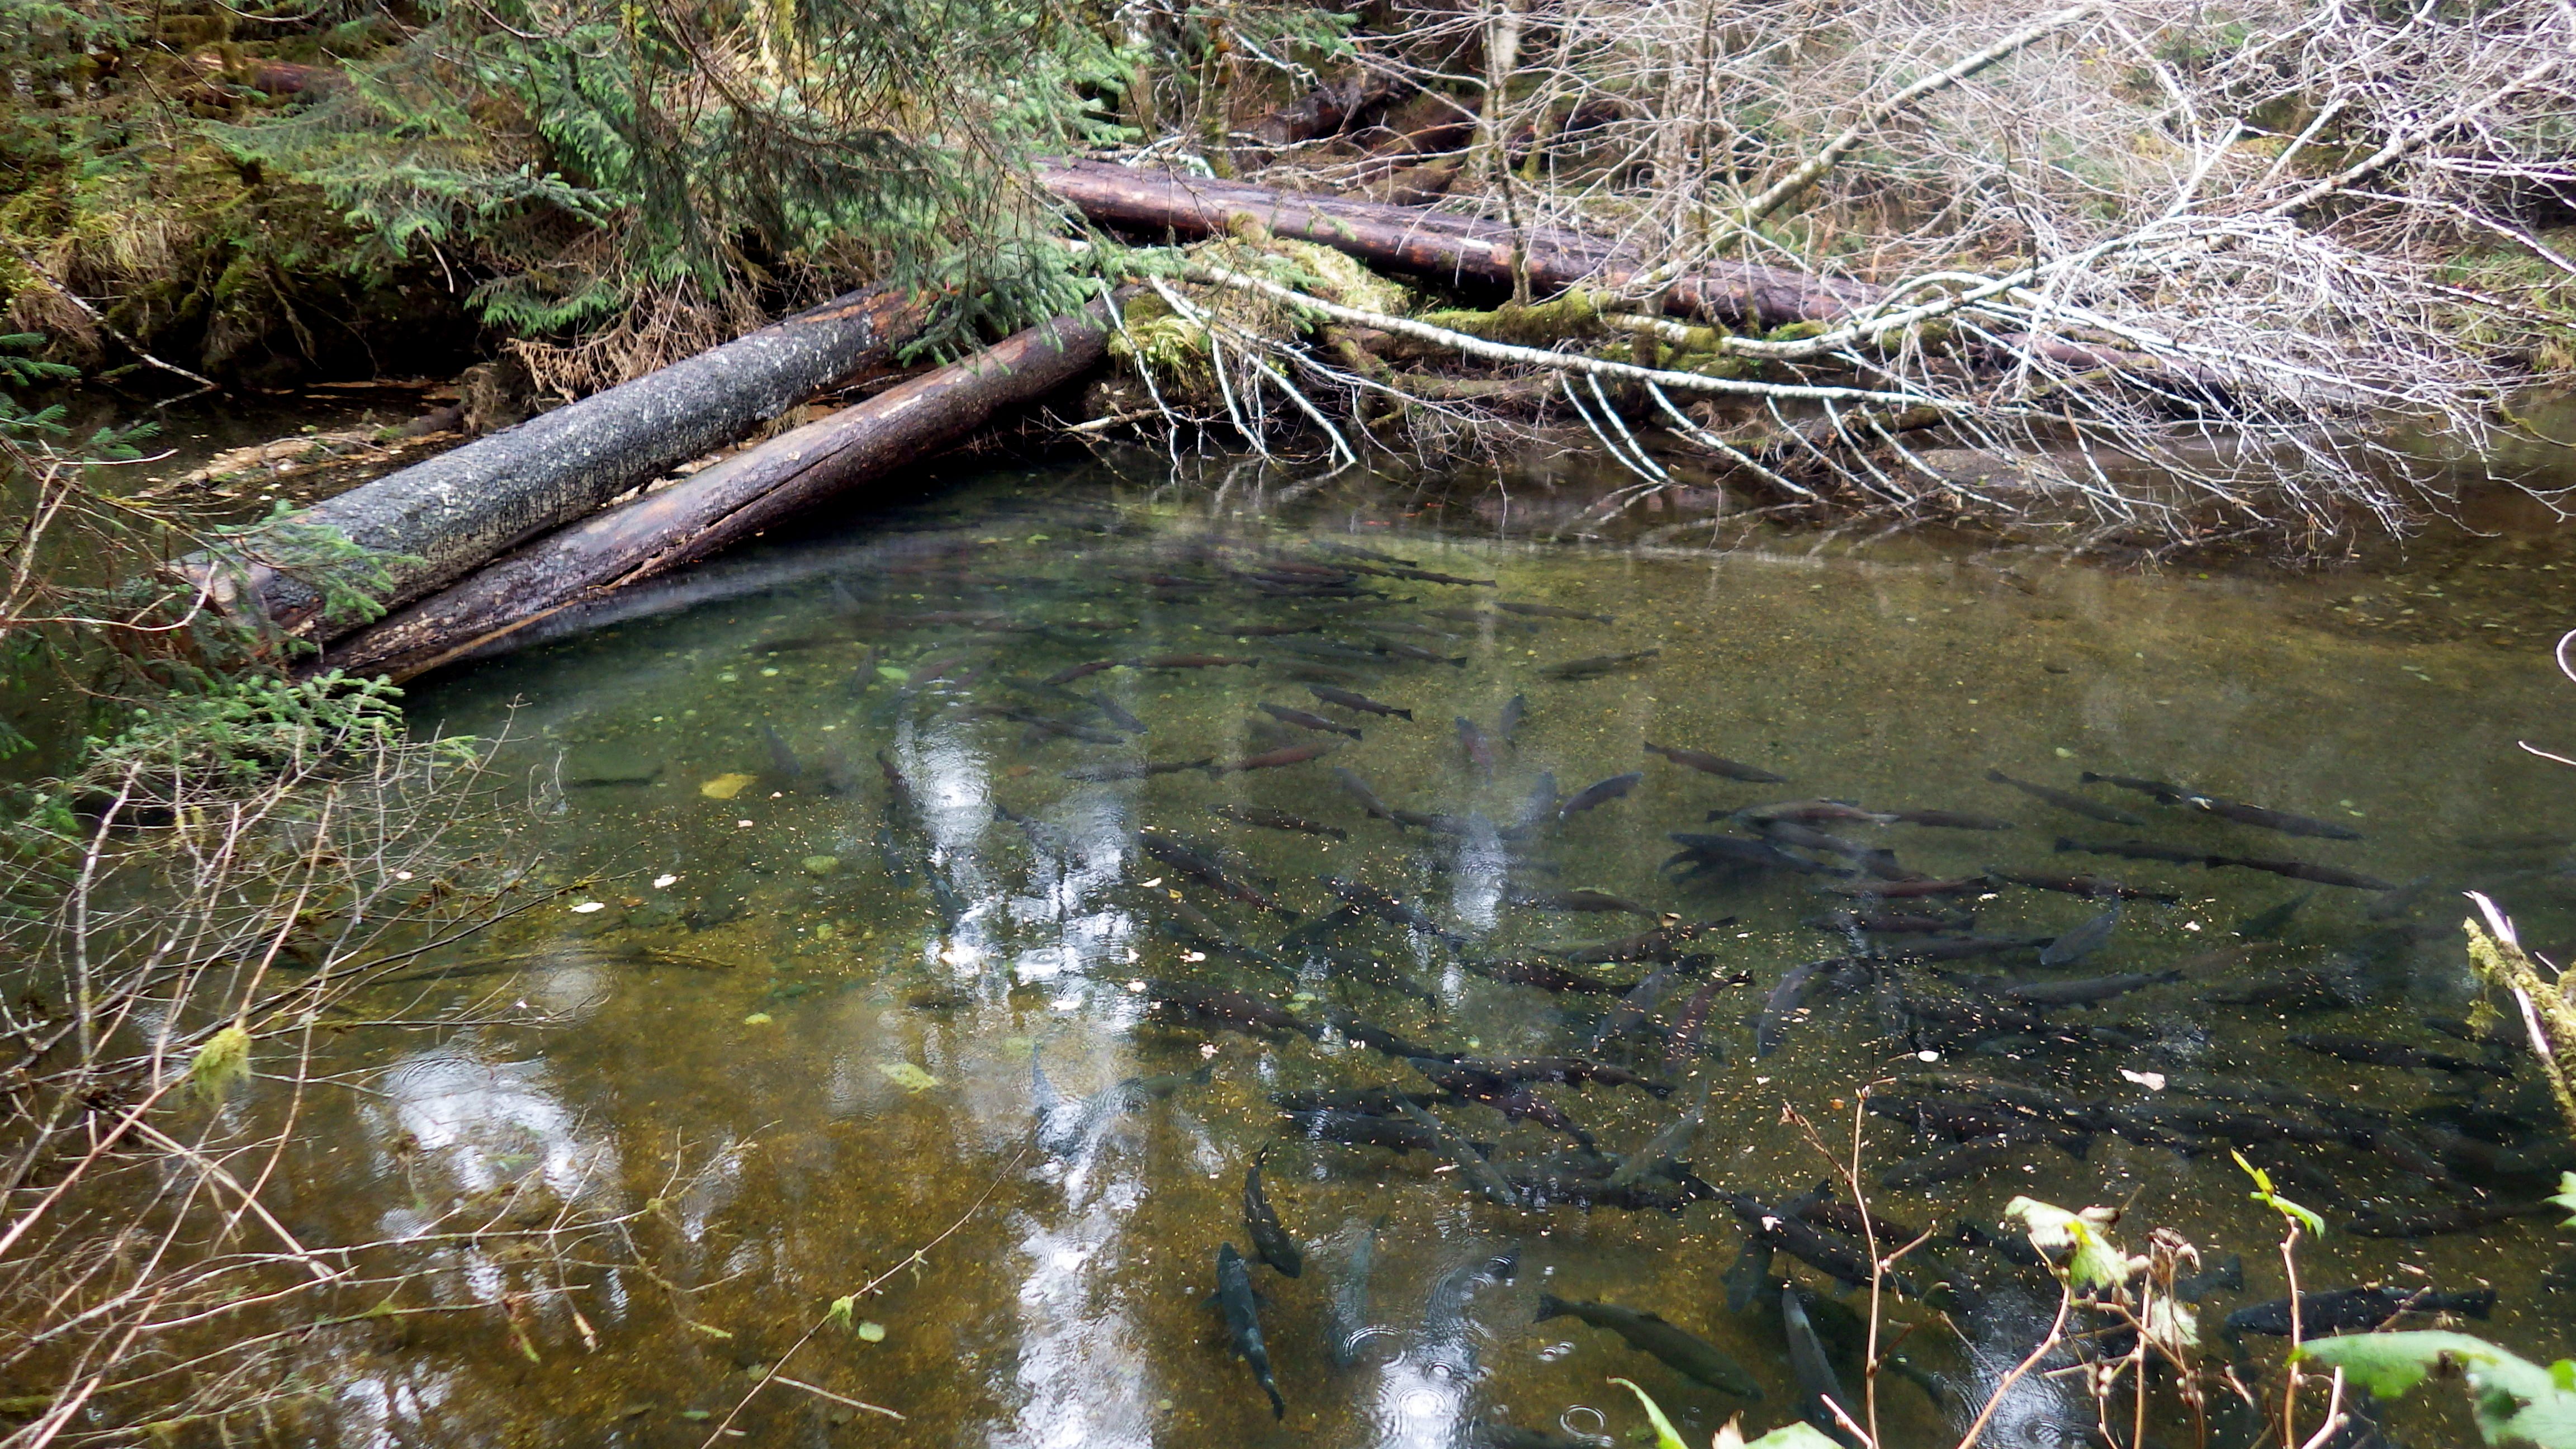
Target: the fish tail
pixel 2089 778
pixel 1404 714
pixel 1999 777
pixel 2064 845
pixel 1551 1306
pixel 1278 1405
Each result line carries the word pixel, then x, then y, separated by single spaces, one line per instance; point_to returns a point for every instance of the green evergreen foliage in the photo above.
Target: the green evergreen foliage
pixel 580 157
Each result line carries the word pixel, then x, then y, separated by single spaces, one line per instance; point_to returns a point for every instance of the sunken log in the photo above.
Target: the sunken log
pixel 1448 248
pixel 437 521
pixel 728 502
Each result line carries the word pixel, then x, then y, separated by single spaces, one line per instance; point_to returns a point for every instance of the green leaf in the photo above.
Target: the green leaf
pixel 2516 1401
pixel 1666 1436
pixel 841 1311
pixel 871 1332
pixel 889 671
pixel 2092 1259
pixel 2263 1193
pixel 2566 1196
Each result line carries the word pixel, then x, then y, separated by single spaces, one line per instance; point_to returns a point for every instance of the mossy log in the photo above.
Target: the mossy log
pixel 1447 248
pixel 1742 296
pixel 731 501
pixel 437 521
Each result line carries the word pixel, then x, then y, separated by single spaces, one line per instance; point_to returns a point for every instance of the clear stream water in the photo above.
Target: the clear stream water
pixel 824 1002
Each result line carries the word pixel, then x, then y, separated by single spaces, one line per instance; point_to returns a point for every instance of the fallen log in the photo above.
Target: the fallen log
pixel 1434 244
pixel 731 501
pixel 1741 295
pixel 436 521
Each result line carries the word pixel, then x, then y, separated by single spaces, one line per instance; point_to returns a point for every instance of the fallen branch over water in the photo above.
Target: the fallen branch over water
pixel 437 521
pixel 722 505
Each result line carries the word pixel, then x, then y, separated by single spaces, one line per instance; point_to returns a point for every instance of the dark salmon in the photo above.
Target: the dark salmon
pixel 1191 661
pixel 1273 759
pixel 1360 702
pixel 1068 676
pixel 1719 765
pixel 1305 721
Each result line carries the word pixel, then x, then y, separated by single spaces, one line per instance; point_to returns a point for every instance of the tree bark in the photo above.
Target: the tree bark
pixel 1453 248
pixel 1741 295
pixel 435 522
pixel 731 501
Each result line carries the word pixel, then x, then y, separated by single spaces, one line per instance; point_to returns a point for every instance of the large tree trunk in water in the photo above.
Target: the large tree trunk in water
pixel 731 501
pixel 1739 294
pixel 437 521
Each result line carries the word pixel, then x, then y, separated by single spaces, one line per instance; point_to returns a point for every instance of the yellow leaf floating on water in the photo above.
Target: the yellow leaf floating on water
pixel 757 1018
pixel 908 1076
pixel 725 787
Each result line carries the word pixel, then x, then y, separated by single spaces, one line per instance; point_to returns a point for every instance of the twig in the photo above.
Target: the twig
pixel 1843 145
pixel 99 320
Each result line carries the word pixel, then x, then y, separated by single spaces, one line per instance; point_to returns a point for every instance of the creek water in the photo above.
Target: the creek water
pixel 868 944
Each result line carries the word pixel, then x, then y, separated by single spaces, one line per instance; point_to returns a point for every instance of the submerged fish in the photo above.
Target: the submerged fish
pixel 1273 759
pixel 1681 1047
pixel 1552 611
pixel 1348 1315
pixel 1581 898
pixel 1473 744
pixel 1071 673
pixel 2226 1275
pixel 1360 702
pixel 2333 875
pixel 1136 769
pixel 1507 725
pixel 2085 992
pixel 1269 819
pixel 2083 941
pixel 1599 793
pixel 2355 1310
pixel 1597 665
pixel 2094 886
pixel 1948 820
pixel 1270 1238
pixel 1116 713
pixel 1305 721
pixel 1547 976
pixel 1189 861
pixel 1820 1390
pixel 1474 1166
pixel 1719 765
pixel 1667 1148
pixel 2268 925
pixel 1234 1298
pixel 2367 1052
pixel 1685 1353
pixel 1358 789
pixel 1369 899
pixel 1906 890
pixel 1712 852
pixel 1191 661
pixel 2068 801
pixel 2449 1218
pixel 1218 1006
pixel 1659 944
pixel 2137 850
pixel 1788 997
pixel 2235 810
pixel 1368 1129
pixel 1968 1159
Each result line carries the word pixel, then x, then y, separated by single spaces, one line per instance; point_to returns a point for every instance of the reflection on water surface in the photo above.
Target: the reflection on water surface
pixel 900 914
